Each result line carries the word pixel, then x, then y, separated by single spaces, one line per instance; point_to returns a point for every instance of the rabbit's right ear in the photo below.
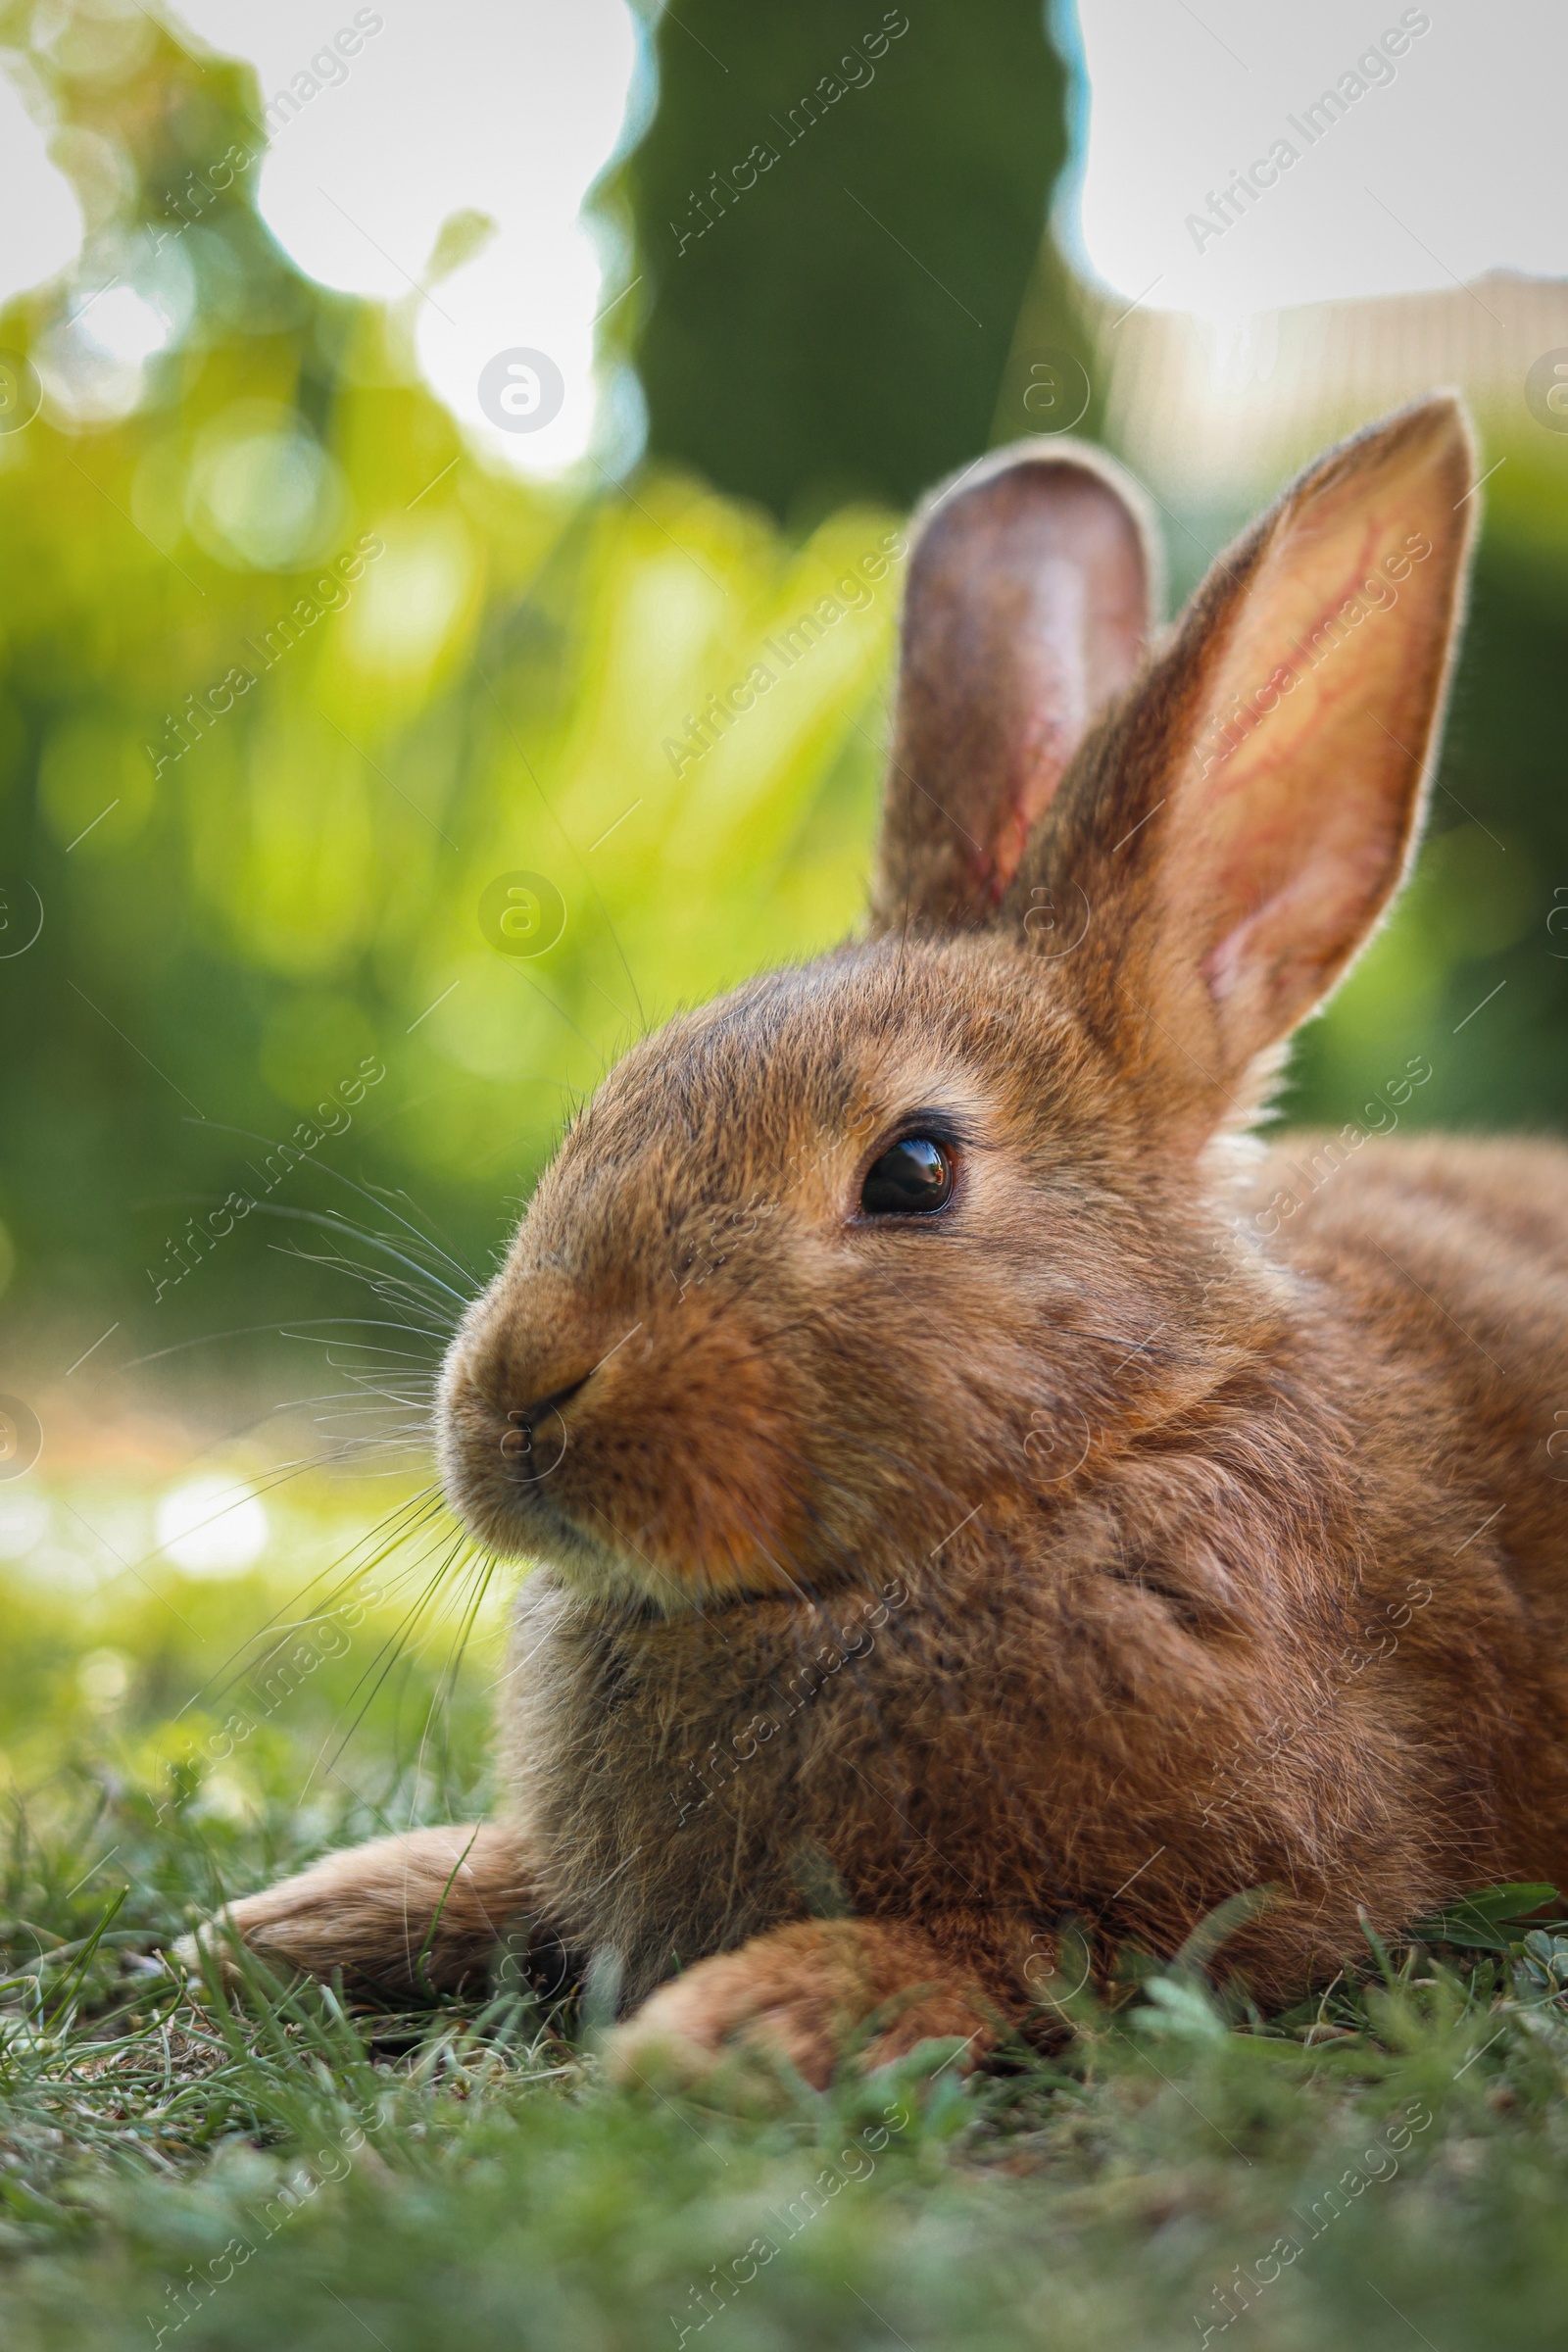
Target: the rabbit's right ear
pixel 1028 605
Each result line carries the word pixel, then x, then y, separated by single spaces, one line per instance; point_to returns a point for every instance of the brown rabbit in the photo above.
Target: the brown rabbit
pixel 975 1480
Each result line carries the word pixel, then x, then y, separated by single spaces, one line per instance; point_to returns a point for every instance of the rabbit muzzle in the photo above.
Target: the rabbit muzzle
pixel 651 1451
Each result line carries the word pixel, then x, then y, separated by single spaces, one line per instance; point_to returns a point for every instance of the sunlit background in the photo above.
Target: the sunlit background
pixel 409 418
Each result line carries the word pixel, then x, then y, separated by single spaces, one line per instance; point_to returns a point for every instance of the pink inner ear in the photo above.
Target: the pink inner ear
pixel 1047 706
pixel 1321 663
pixel 1026 611
pixel 1302 814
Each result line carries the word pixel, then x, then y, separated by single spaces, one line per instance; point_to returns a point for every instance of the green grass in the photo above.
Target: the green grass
pixel 1387 2168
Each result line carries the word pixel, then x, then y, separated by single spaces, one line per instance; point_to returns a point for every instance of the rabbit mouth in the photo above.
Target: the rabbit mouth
pixel 671 1473
pixel 584 1547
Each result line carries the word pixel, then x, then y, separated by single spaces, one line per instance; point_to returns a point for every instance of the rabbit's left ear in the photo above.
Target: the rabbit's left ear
pixel 1242 821
pixel 1031 580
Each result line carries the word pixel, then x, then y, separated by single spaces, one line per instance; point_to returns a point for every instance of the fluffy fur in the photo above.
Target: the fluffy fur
pixel 1116 1541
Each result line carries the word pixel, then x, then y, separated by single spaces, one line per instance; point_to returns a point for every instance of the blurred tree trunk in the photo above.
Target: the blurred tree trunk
pixel 839 212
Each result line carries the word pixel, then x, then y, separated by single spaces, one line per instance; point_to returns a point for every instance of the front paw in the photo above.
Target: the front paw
pixel 208 1953
pixel 293 1929
pixel 405 1917
pixel 809 1996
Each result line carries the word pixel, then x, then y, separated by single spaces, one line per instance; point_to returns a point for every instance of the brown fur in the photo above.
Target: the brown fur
pixel 1112 1543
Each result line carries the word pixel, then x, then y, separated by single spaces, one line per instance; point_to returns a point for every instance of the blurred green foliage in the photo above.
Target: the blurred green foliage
pixel 249 896
pixel 331 1689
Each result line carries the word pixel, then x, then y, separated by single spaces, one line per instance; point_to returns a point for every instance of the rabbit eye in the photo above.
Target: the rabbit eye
pixel 914 1176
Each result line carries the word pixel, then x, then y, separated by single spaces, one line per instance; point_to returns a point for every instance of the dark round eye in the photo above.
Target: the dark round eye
pixel 915 1175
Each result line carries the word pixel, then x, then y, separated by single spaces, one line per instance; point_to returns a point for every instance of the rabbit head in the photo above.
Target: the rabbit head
pixel 927 1228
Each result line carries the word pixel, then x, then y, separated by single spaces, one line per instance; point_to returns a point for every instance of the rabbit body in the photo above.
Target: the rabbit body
pixel 1163 1518
pixel 1305 1631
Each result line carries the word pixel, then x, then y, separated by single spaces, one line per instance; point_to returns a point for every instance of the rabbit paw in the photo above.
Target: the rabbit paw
pixel 805 1994
pixel 412 1914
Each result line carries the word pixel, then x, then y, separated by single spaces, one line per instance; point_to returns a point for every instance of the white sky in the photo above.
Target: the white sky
pixel 37 204
pixel 511 108
pixel 1452 167
pixel 505 107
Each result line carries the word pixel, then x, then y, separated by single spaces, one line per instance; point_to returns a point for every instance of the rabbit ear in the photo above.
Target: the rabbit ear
pixel 1240 825
pixel 1027 609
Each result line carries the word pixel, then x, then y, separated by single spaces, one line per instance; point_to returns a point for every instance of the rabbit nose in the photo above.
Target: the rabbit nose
pixel 524 1419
